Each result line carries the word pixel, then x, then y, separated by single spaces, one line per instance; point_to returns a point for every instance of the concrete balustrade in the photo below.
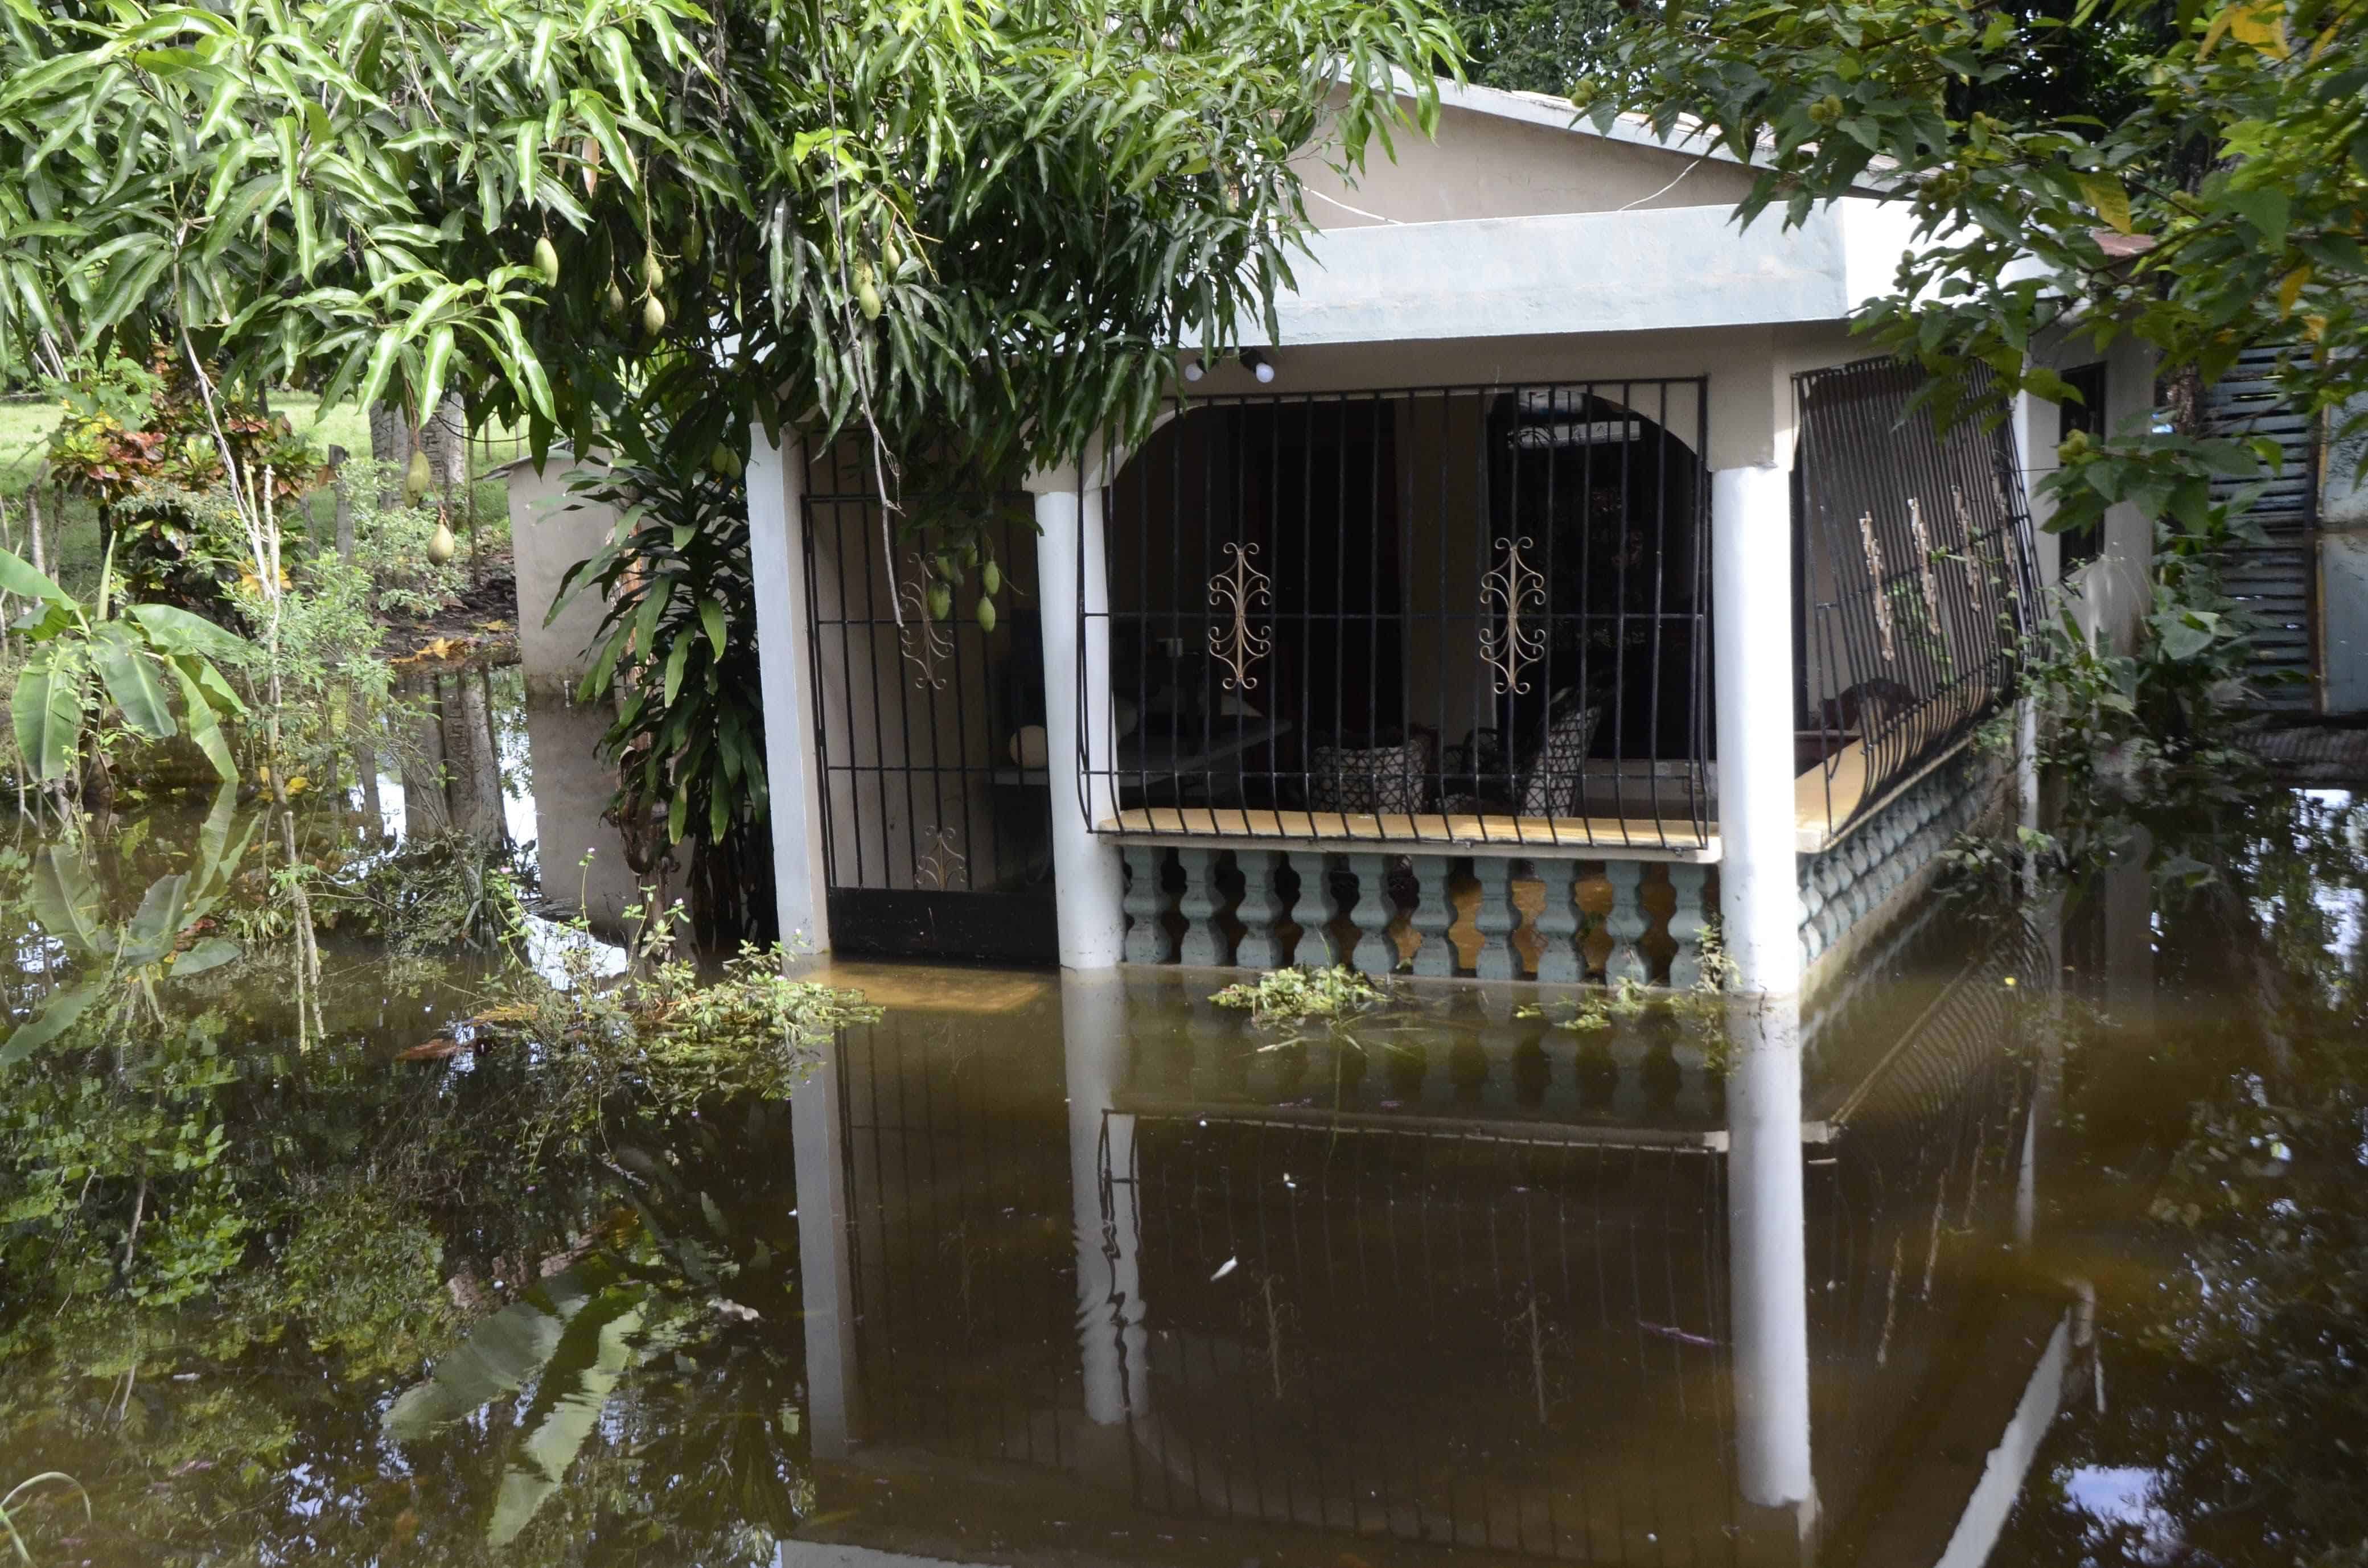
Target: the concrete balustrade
pixel 1555 921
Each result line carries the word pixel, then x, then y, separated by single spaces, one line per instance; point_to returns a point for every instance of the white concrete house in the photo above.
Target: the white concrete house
pixel 1550 586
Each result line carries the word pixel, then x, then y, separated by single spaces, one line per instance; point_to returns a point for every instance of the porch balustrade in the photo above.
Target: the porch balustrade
pixel 1554 921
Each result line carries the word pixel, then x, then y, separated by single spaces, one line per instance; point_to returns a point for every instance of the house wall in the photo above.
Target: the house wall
pixel 1487 165
pixel 2343 571
pixel 551 531
pixel 2111 593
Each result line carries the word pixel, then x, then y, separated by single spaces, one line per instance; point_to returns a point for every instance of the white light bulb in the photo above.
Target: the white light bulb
pixel 1264 371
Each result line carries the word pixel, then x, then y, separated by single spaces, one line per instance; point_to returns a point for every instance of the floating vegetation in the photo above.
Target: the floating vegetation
pixel 1301 993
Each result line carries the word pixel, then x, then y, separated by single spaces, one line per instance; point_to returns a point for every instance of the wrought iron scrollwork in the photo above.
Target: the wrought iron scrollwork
pixel 926 643
pixel 1882 597
pixel 1511 590
pixel 1237 592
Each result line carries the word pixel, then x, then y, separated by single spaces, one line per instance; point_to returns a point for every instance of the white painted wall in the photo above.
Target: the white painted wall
pixel 551 531
pixel 2111 593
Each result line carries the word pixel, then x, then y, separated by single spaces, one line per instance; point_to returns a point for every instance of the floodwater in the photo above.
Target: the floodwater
pixel 2039 1236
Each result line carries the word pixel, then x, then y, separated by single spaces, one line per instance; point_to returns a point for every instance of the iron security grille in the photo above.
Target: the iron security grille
pixel 1447 614
pixel 937 829
pixel 1917 576
pixel 2277 580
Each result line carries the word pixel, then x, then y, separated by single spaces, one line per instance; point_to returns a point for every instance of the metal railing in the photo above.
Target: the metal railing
pixel 1431 615
pixel 1917 578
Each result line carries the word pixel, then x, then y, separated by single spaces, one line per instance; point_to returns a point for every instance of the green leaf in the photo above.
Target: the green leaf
pixel 48 707
pixel 678 657
pixel 18 577
pixel 134 677
pixel 49 1023
pixel 176 630
pixel 199 957
pixel 711 615
pixel 204 728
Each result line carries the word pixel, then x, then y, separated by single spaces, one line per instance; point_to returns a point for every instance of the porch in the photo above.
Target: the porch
pixel 1421 680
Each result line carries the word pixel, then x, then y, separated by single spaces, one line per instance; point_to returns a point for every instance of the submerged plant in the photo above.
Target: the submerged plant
pixel 1299 994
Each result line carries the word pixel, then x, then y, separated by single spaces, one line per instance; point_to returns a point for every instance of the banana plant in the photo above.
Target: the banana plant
pixel 128 961
pixel 143 663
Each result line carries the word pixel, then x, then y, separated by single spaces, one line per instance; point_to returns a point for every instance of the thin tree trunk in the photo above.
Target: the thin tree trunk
pixel 33 530
pixel 390 445
pixel 345 506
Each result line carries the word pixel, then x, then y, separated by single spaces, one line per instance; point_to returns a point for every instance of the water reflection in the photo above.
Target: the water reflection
pixel 1501 1286
pixel 1045 1267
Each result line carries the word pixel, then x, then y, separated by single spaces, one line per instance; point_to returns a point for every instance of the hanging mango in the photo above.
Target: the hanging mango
pixel 546 261
pixel 442 545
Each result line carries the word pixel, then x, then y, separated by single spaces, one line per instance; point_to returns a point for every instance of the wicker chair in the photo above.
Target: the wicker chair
pixel 1550 784
pixel 1371 778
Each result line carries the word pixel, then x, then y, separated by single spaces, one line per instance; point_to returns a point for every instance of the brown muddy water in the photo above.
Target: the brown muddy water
pixel 2041 1236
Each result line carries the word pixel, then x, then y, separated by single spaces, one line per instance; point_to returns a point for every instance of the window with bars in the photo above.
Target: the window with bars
pixel 1918 577
pixel 1445 614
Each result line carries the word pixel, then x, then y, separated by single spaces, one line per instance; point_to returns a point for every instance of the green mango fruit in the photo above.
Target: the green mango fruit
pixel 986 615
pixel 546 260
pixel 653 316
pixel 990 577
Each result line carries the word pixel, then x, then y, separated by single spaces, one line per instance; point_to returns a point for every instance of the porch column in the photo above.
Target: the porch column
pixel 1751 630
pixel 1768 1269
pixel 826 1282
pixel 777 561
pixel 1073 576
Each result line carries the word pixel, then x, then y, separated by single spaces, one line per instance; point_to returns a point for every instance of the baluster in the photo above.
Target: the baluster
pixel 1147 939
pixel 1626 922
pixel 1433 916
pixel 1374 952
pixel 1203 943
pixel 1688 882
pixel 1496 919
pixel 1317 911
pixel 1261 910
pixel 1558 959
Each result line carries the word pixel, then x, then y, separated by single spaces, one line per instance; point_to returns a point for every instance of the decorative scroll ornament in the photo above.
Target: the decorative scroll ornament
pixel 1924 563
pixel 1875 574
pixel 1237 591
pixel 1978 580
pixel 943 865
pixel 926 643
pixel 1511 591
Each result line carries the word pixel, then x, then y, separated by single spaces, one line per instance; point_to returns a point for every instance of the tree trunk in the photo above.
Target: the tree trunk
pixel 390 444
pixel 445 439
pixel 344 505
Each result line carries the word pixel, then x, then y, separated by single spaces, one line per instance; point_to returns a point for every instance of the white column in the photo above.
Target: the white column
pixel 825 1284
pixel 1110 1275
pixel 1768 1259
pixel 2026 783
pixel 776 559
pixel 1073 577
pixel 1751 631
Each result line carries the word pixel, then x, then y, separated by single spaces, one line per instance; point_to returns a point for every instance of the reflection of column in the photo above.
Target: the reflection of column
pixel 1110 1288
pixel 572 787
pixel 1767 1262
pixel 1073 574
pixel 826 1284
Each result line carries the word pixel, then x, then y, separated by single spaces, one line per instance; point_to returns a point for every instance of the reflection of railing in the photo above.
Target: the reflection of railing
pixel 1493 1344
pixel 1417 615
pixel 1917 574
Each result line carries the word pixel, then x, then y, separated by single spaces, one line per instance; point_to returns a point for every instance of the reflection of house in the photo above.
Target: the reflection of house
pixel 1156 1290
pixel 1553 581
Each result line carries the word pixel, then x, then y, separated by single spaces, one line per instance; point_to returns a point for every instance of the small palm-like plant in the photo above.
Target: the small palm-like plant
pixel 144 665
pixel 26 1488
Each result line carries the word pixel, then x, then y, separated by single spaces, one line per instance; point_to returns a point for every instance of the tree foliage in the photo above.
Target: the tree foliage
pixel 2193 175
pixel 948 218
